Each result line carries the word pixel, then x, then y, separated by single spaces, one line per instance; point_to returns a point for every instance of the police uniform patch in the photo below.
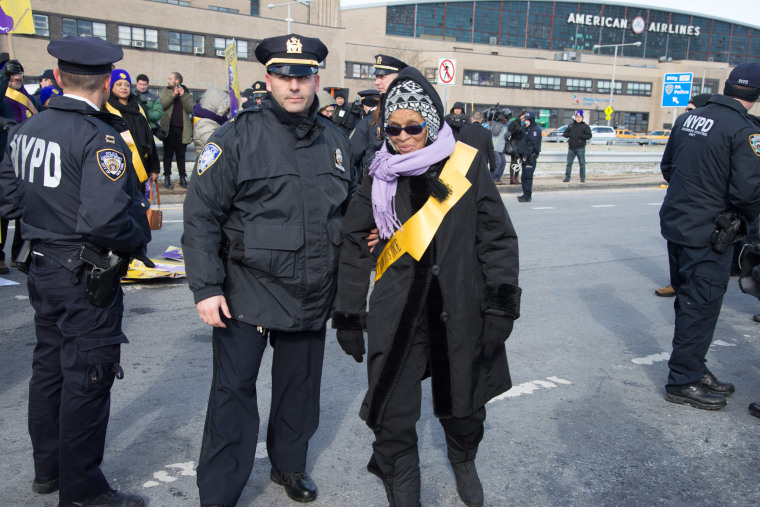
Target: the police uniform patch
pixel 209 155
pixel 339 160
pixel 110 139
pixel 754 142
pixel 112 163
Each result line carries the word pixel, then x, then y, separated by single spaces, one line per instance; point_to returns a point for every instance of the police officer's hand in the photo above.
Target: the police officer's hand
pixel 208 310
pixel 496 331
pixel 352 343
pixel 13 67
pixel 372 239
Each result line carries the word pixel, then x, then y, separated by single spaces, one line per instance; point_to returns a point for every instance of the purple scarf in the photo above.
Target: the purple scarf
pixel 201 112
pixel 386 169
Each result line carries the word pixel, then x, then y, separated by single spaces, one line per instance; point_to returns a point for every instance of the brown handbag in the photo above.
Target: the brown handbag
pixel 155 216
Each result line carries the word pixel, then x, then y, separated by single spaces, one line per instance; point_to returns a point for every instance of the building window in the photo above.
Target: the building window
pixel 41 26
pixel 356 70
pixel 579 85
pixel 254 7
pixel 637 122
pixel 547 83
pixel 79 27
pixel 223 9
pixel 639 89
pixel 221 44
pixel 431 74
pixel 186 43
pixel 138 37
pixel 513 80
pixel 604 87
pixel 478 78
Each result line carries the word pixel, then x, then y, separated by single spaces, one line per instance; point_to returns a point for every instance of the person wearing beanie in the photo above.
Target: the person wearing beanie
pixel 577 133
pixel 326 104
pixel 445 294
pixel 529 148
pixel 712 165
pixel 122 102
pixel 208 115
pixel 457 118
pixel 347 114
pixel 46 93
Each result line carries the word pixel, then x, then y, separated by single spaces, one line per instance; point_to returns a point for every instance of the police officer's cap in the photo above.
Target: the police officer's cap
pixel 744 82
pixel 247 93
pixel 385 64
pixel 48 74
pixel 259 87
pixel 370 98
pixel 530 116
pixel 291 55
pixel 85 55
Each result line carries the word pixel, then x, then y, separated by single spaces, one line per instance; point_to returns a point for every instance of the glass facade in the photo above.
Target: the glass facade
pixel 562 26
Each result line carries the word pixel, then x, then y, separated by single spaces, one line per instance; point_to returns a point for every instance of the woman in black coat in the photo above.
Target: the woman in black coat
pixel 445 294
pixel 122 103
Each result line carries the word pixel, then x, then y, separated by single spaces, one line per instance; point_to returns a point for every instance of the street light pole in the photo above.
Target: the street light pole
pixel 289 19
pixel 614 64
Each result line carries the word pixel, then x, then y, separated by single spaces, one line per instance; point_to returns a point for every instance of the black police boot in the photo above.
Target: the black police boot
pixel 298 485
pixel 168 182
pixel 182 181
pixel 110 498
pixel 754 409
pixel 45 486
pixel 463 464
pixel 697 397
pixel 715 386
pixel 403 487
pixel 523 198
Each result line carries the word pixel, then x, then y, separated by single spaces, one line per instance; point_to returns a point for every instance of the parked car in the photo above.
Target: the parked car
pixel 545 132
pixel 655 137
pixel 555 136
pixel 625 134
pixel 602 134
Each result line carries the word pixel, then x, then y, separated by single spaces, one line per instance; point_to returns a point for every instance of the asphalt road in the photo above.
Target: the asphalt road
pixel 585 424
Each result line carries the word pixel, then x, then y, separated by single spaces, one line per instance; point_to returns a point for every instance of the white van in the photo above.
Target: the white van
pixel 602 134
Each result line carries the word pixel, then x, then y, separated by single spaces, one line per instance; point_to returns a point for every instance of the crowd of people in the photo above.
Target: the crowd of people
pixel 397 187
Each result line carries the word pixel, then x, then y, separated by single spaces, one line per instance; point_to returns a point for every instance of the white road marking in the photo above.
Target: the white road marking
pixel 150 484
pixel 654 204
pixel 544 207
pixel 529 387
pixel 21 297
pixel 171 221
pixel 723 344
pixel 662 356
pixel 603 205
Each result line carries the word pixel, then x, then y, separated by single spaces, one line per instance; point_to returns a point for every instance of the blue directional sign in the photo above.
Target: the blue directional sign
pixel 676 90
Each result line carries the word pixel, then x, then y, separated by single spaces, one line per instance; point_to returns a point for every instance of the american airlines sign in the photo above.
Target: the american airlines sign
pixel 637 25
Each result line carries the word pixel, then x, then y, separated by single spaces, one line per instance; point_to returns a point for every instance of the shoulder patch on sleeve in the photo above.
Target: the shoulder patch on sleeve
pixel 209 155
pixel 754 142
pixel 112 163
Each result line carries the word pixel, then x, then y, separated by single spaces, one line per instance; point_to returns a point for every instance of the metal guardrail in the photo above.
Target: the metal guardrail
pixel 613 157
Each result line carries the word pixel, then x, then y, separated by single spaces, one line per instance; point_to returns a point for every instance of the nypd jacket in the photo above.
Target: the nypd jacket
pixel 712 162
pixel 366 140
pixel 67 174
pixel 529 144
pixel 270 188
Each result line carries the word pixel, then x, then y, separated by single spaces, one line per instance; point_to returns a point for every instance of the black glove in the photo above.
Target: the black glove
pixel 496 331
pixel 352 343
pixel 13 67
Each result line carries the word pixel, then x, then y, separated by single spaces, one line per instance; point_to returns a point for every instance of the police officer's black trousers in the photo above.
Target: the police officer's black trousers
pixel 72 374
pixel 397 435
pixel 699 277
pixel 232 419
pixel 529 167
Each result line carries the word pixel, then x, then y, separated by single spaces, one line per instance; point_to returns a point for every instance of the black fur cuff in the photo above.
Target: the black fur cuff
pixel 342 320
pixel 502 299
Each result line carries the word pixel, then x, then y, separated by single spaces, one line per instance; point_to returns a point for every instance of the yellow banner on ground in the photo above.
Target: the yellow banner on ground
pixel 417 232
pixel 16 16
pixel 139 272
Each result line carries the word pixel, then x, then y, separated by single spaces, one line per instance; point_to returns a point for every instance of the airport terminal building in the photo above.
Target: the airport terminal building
pixel 539 55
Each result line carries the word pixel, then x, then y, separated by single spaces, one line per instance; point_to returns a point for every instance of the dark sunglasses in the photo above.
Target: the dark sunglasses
pixel 412 130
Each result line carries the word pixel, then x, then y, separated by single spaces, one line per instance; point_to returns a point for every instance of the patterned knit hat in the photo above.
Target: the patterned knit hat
pixel 408 94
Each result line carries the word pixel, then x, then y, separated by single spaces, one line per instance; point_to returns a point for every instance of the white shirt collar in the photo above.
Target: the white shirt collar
pixel 77 97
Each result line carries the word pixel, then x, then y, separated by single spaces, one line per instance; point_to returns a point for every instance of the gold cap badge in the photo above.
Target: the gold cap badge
pixel 379 60
pixel 294 45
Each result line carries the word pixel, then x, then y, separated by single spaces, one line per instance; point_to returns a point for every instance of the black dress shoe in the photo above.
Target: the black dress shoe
pixel 168 182
pixel 182 182
pixel 45 486
pixel 754 409
pixel 565 180
pixel 110 498
pixel 298 485
pixel 715 386
pixel 697 397
pixel 522 198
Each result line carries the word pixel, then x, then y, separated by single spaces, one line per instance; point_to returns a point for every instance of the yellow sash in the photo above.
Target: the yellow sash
pixel 21 99
pixel 142 174
pixel 417 232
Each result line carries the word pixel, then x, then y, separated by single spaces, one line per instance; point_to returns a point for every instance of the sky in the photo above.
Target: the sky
pixel 735 11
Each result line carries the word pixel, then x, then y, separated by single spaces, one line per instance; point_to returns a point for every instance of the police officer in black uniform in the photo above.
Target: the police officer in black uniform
pixel 259 91
pixel 366 138
pixel 529 147
pixel 78 192
pixel 347 114
pixel 712 165
pixel 271 188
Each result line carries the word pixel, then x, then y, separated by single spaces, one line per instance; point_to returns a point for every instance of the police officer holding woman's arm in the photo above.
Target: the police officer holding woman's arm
pixel 67 174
